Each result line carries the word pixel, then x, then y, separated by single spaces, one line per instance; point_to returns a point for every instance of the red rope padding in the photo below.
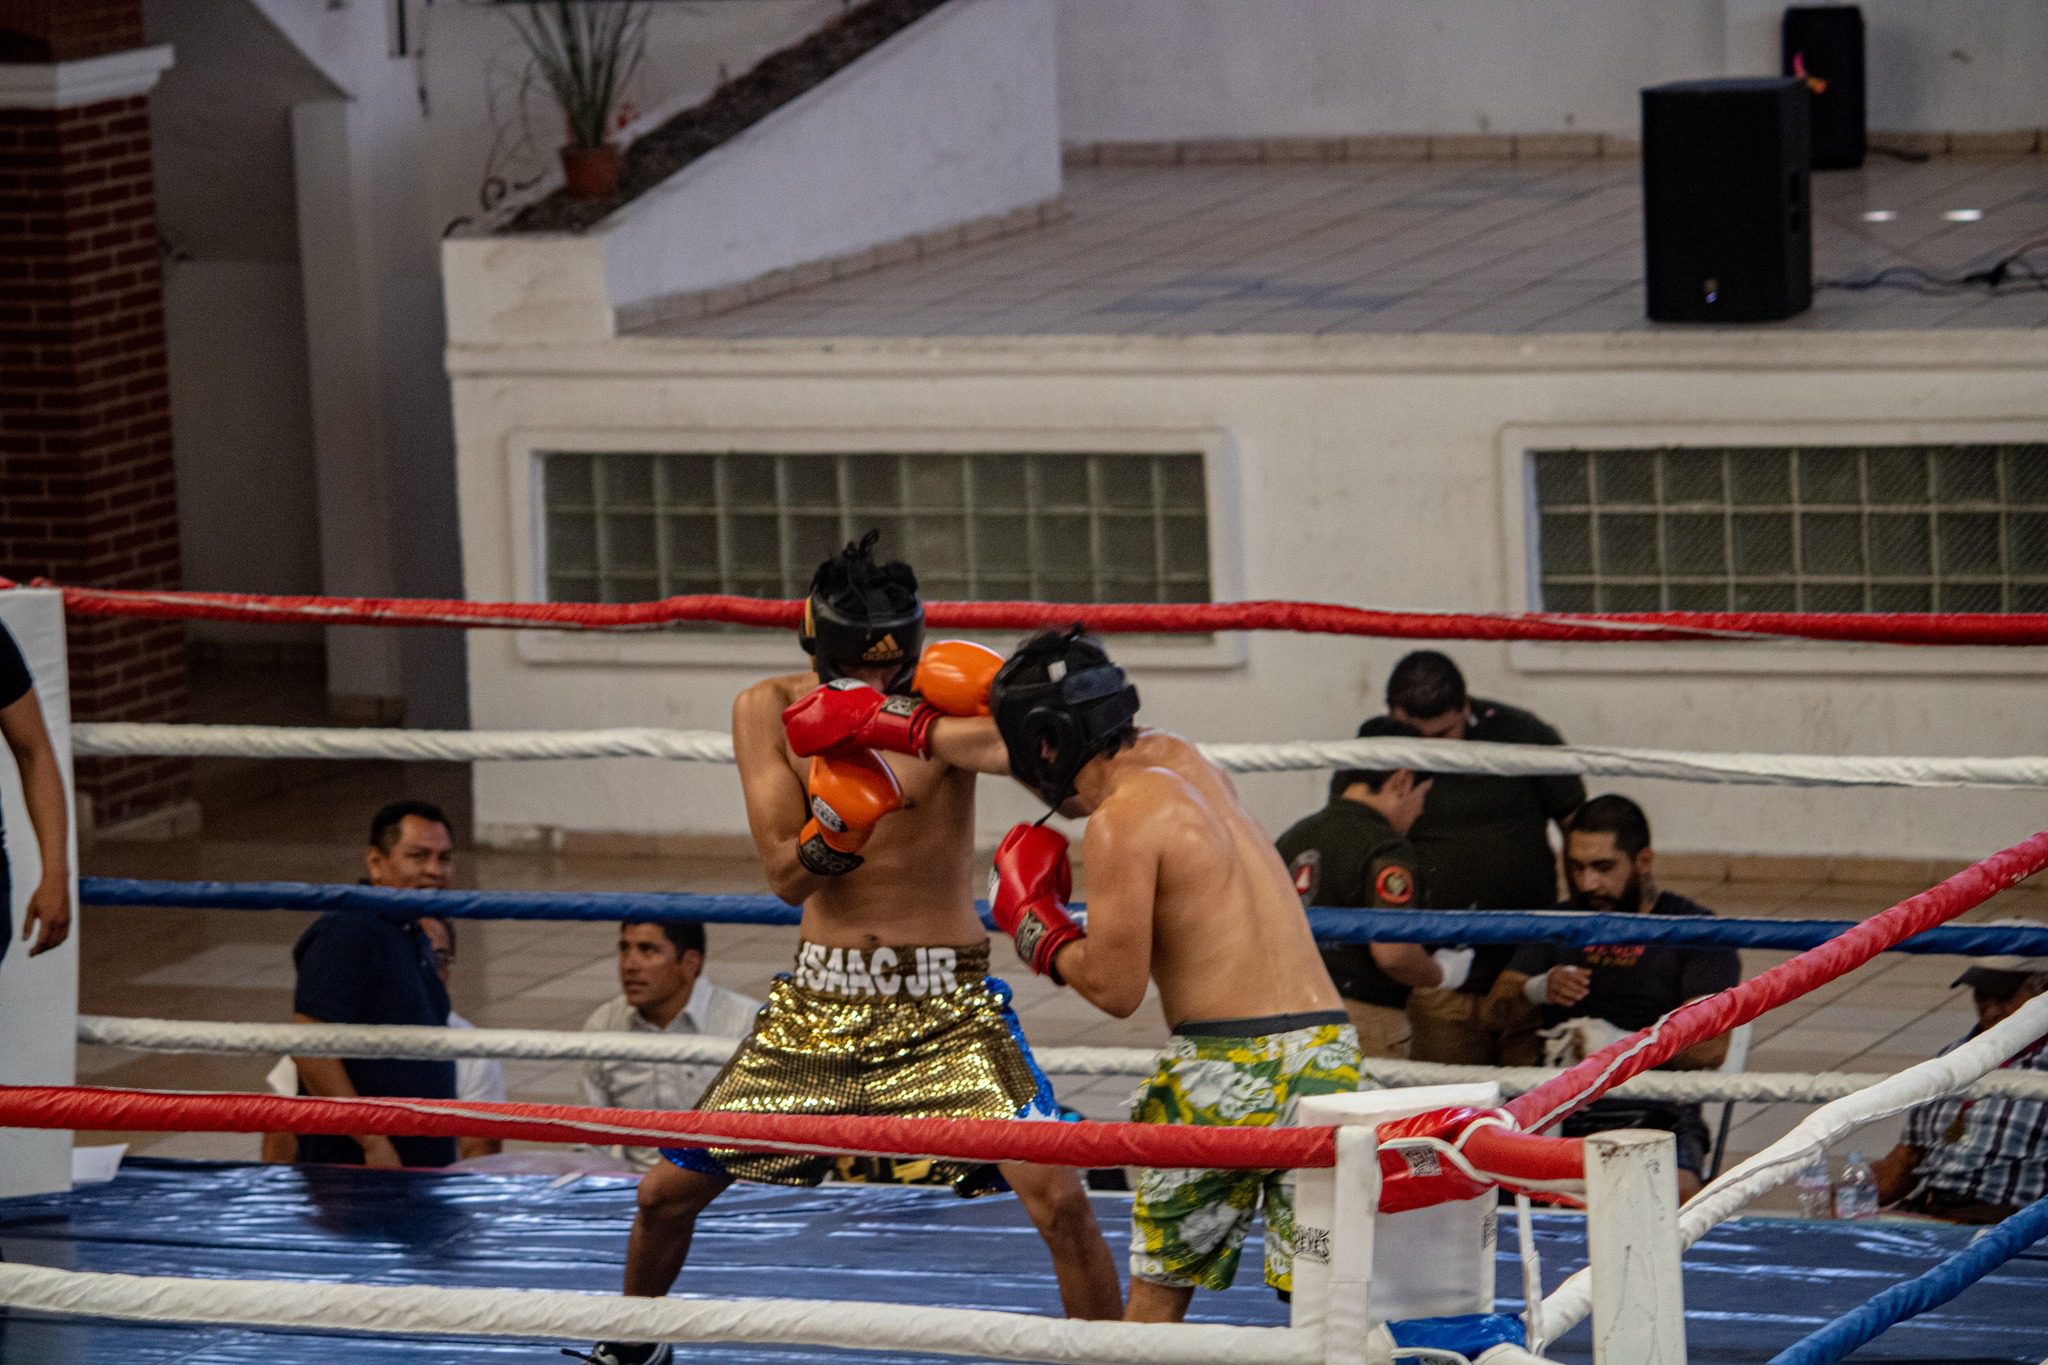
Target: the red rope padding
pixel 1513 1155
pixel 1703 1019
pixel 1046 1143
pixel 1317 618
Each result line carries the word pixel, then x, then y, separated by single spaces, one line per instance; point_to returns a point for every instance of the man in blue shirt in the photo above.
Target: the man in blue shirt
pixel 47 918
pixel 357 967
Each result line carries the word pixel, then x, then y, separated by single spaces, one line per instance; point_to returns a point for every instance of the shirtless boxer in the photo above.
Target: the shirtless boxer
pixel 888 1010
pixel 1186 889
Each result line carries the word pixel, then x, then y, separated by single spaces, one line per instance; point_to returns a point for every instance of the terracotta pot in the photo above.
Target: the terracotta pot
pixel 591 172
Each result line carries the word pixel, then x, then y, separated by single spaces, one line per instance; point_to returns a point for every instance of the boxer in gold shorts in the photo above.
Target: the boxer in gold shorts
pixel 893 1033
pixel 880 854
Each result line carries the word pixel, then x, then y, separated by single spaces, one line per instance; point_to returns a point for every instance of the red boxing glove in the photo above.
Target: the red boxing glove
pixel 1028 894
pixel 847 796
pixel 1419 1175
pixel 846 716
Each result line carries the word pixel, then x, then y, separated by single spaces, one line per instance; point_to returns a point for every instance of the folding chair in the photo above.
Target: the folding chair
pixel 1734 1063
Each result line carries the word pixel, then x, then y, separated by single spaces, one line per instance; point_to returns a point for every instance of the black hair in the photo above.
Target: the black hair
pixel 1373 727
pixel 386 823
pixel 1615 815
pixel 856 584
pixel 686 935
pixel 1425 685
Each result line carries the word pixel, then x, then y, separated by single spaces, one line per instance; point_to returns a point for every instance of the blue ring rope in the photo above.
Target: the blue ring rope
pixel 1330 925
pixel 1930 1289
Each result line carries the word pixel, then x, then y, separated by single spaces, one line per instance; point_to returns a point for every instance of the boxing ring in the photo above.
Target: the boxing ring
pixel 1398 1247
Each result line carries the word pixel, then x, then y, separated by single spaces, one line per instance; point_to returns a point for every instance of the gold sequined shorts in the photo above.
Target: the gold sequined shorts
pixel 920 1032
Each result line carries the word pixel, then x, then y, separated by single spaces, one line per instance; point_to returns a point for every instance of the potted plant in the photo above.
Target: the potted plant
pixel 585 51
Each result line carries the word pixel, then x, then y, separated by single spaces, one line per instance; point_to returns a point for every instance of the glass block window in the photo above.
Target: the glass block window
pixel 1807 528
pixel 1108 527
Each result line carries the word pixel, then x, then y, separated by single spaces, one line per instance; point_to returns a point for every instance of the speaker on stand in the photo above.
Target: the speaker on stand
pixel 1727 228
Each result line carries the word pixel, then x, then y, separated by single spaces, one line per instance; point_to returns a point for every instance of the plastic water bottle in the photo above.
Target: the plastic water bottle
pixel 1856 1195
pixel 1816 1189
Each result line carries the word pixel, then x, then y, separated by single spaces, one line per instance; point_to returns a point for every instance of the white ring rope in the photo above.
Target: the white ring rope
pixel 421 1311
pixel 425 1043
pixel 1777 1163
pixel 136 739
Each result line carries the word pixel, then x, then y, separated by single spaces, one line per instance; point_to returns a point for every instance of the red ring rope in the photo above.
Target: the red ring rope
pixel 1045 1143
pixel 1517 1156
pixel 1321 618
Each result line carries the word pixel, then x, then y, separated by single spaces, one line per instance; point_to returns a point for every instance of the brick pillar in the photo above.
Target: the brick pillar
pixel 87 494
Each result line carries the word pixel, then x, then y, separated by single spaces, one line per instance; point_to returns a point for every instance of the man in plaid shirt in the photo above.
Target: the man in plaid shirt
pixel 1978 1160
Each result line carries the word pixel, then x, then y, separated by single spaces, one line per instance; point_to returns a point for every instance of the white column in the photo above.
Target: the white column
pixel 39 996
pixel 1354 1267
pixel 358 517
pixel 1632 1248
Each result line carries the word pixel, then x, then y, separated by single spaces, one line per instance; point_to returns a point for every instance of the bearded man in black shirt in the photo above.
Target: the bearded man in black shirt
pixel 1484 843
pixel 1611 867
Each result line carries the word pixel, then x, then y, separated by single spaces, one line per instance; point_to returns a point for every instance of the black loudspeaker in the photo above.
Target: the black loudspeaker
pixel 1727 236
pixel 1823 45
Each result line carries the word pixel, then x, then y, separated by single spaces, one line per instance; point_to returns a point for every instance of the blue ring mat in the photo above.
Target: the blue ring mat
pixel 1752 1286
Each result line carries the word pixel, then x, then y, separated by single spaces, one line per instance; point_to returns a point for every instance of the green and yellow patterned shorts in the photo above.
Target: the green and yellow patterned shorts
pixel 1188 1227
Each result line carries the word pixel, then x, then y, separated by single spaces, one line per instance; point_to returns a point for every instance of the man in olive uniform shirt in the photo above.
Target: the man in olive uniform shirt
pixel 1351 852
pixel 1484 843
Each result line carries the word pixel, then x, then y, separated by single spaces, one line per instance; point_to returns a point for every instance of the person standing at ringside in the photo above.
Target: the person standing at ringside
pixel 889 1009
pixel 1186 891
pixel 47 919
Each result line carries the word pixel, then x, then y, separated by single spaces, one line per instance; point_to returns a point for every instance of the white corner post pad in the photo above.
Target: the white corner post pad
pixel 1633 1248
pixel 38 996
pixel 1355 1268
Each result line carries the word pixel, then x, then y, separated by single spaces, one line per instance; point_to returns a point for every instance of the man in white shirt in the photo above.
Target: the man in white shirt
pixel 661 965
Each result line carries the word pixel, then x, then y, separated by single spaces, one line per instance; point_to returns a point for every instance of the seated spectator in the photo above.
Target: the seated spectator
pixel 662 990
pixel 1619 988
pixel 1484 843
pixel 1354 852
pixel 357 967
pixel 1977 1160
pixel 476 1078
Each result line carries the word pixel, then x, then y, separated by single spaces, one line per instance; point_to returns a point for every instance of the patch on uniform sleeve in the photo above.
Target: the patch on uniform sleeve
pixel 1306 869
pixel 1394 885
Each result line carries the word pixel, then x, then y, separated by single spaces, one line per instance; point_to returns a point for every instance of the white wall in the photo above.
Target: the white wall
pixel 1369 471
pixel 241 427
pixel 39 996
pixel 220 131
pixel 487 119
pixel 951 120
pixel 1154 70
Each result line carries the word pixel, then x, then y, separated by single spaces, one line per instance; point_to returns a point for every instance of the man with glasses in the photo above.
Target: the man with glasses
pixel 1978 1161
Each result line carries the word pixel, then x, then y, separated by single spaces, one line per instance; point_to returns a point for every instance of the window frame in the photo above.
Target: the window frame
pixel 765 650
pixel 1516 467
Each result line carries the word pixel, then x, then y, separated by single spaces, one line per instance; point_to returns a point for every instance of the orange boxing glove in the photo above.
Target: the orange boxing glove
pixel 953 676
pixel 848 795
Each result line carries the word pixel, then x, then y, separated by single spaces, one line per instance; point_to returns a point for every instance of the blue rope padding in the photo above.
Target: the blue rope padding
pixel 1934 1287
pixel 1331 926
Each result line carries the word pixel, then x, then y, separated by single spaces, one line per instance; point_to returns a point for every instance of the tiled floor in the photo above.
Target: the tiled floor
pixel 236 966
pixel 1467 247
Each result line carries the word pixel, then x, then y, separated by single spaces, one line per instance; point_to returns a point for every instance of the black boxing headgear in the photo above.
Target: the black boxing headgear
pixel 1059 693
pixel 861 614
